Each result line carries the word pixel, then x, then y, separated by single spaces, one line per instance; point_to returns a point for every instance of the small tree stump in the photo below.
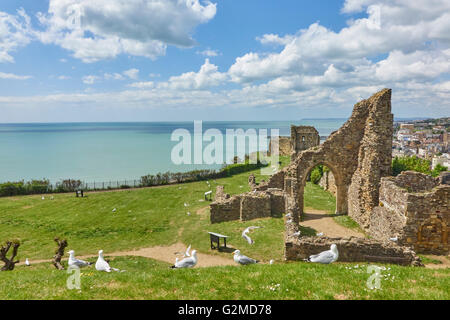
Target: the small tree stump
pixel 9 263
pixel 59 253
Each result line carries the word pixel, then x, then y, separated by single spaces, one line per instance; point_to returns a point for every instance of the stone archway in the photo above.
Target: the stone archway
pixel 341 187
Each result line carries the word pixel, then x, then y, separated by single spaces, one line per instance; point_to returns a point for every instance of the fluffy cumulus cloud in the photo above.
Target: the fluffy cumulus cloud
pixel 208 76
pixel 15 32
pixel 102 29
pixel 399 44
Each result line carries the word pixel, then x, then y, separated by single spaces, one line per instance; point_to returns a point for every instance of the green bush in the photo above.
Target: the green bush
pixel 438 169
pixel 414 163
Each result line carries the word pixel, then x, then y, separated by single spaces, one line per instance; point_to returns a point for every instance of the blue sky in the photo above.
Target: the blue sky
pixel 154 60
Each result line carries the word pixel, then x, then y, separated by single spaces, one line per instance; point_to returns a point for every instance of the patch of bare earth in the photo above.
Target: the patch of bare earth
pixel 323 222
pixel 162 253
pixel 445 262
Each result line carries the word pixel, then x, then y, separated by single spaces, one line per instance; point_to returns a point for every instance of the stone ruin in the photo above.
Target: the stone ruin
pixel 302 138
pixel 415 208
pixel 359 157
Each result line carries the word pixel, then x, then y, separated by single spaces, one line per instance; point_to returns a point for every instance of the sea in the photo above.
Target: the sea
pixel 103 152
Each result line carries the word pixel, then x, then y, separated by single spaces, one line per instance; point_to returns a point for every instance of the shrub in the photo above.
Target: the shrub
pixel 413 163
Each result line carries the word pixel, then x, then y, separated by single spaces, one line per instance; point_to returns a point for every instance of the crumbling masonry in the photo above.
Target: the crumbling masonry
pixel 358 155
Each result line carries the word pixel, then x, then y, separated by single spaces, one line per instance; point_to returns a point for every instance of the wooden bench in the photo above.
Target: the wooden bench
pixel 215 238
pixel 80 193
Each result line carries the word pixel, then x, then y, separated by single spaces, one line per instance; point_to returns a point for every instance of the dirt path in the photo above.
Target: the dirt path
pixel 322 222
pixel 162 253
pixel 445 262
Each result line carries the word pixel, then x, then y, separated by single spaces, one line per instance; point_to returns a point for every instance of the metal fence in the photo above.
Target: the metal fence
pixel 118 184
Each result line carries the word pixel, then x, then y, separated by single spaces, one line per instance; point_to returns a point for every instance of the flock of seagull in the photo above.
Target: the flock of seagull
pixel 100 265
pixel 190 259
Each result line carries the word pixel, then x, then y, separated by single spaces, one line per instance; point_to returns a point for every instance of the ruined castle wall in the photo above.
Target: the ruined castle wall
pixel 374 158
pixel 415 181
pixel 255 205
pixel 225 210
pixel 328 183
pixel 248 206
pixel 277 202
pixel 277 180
pixel 351 250
pixel 284 144
pixel 416 209
pixel 428 221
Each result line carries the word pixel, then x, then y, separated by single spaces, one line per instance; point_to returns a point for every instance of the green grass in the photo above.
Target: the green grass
pixel 348 222
pixel 150 279
pixel 157 216
pixel 429 260
pixel 315 197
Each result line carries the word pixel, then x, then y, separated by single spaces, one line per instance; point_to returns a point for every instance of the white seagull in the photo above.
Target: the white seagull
pixel 43 198
pixel 186 262
pixel 102 264
pixel 27 263
pixel 326 257
pixel 74 262
pixel 271 261
pixel 114 210
pixel 241 259
pixel 246 237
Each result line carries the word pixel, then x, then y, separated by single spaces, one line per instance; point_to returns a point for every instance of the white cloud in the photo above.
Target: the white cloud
pixel 142 85
pixel 275 39
pixel 208 76
pixel 15 32
pixel 209 53
pixel 132 73
pixel 91 79
pixel 113 76
pixel 102 29
pixel 63 77
pixel 12 76
pixel 390 25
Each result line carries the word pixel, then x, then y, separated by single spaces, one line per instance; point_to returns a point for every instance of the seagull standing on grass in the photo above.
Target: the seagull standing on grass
pixel 246 237
pixel 186 262
pixel 74 262
pixel 27 263
pixel 326 257
pixel 102 265
pixel 241 259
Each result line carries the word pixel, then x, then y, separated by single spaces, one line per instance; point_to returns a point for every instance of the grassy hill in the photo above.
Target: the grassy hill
pixel 158 217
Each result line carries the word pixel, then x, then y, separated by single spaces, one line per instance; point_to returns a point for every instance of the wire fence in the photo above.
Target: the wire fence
pixel 72 185
pixel 118 184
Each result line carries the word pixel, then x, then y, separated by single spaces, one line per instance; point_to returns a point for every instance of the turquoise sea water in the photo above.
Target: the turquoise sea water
pixel 108 151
